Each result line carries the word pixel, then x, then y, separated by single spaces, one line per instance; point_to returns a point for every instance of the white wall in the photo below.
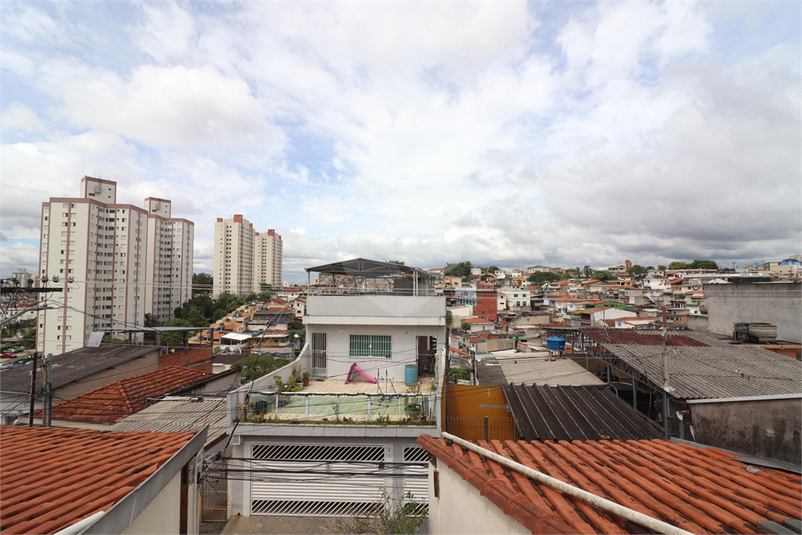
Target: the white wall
pixel 461 509
pixel 403 343
pixel 162 515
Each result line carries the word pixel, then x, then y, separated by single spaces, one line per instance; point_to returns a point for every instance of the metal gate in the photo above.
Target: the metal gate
pixel 214 496
pixel 316 480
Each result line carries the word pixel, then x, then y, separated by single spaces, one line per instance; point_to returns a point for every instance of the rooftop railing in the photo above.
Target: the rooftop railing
pixel 334 408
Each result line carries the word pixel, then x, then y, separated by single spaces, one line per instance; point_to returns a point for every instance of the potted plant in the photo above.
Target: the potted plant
pixel 305 375
pixel 412 405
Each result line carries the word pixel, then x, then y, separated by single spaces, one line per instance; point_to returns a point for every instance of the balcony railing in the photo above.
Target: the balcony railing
pixel 334 408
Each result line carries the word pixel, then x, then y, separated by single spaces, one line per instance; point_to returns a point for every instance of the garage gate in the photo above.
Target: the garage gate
pixel 342 480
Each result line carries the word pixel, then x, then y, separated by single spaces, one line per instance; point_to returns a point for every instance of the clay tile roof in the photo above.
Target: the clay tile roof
pixel 701 490
pixel 111 403
pixel 52 477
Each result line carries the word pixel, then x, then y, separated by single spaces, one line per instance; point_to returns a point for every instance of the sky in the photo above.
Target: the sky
pixel 506 133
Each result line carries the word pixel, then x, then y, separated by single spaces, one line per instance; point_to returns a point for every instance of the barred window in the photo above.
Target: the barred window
pixel 370 345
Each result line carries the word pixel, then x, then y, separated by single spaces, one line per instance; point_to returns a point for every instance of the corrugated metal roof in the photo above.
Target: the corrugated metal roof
pixel 701 490
pixel 712 371
pixel 177 415
pixel 575 413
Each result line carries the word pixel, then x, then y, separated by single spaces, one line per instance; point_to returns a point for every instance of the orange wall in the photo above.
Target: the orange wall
pixel 467 407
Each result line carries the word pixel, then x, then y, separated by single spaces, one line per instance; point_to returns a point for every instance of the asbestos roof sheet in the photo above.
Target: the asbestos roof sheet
pixel 714 371
pixel 111 403
pixel 51 477
pixel 701 490
pixel 575 413
pixel 175 415
pixel 75 365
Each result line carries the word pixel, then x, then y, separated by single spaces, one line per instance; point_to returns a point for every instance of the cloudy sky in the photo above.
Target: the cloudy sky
pixel 508 133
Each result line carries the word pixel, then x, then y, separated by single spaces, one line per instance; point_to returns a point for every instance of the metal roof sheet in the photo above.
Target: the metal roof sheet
pixel 575 413
pixel 714 371
pixel 176 415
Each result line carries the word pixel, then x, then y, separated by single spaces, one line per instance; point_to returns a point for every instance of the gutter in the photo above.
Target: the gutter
pixel 658 526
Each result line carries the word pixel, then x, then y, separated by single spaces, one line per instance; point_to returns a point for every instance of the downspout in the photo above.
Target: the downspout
pixel 658 526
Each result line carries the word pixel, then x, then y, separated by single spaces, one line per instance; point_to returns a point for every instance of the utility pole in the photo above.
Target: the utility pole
pixel 48 392
pixel 666 410
pixel 33 390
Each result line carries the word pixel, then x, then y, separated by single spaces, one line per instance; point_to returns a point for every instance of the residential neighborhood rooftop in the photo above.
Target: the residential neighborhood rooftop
pixel 111 403
pixel 51 478
pixel 698 489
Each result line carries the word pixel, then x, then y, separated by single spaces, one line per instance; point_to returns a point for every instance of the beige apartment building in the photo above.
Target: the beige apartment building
pixel 113 262
pixel 245 259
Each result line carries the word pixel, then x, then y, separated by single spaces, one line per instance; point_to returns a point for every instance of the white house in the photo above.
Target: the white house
pixel 297 455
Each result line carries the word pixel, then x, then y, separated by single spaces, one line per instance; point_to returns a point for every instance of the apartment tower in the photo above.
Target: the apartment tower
pixel 244 259
pixel 269 255
pixel 234 246
pixel 110 268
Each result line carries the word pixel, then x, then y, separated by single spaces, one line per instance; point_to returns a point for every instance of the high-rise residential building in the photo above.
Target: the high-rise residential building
pixel 244 259
pixel 234 245
pixel 169 268
pixel 111 268
pixel 270 256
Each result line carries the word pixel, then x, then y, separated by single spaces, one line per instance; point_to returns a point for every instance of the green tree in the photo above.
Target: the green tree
pixel 661 267
pixel 637 272
pixel 492 269
pixel 587 271
pixel 202 283
pixel 449 318
pixel 703 264
pixel 540 277
pixel 462 269
pixel 255 366
pixel 399 262
pixel 465 326
pixel 678 265
pixel 175 339
pixel 296 325
pixel 603 275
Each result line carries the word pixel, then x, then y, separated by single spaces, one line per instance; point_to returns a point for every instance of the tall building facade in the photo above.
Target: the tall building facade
pixel 270 257
pixel 169 267
pixel 244 259
pixel 234 246
pixel 100 254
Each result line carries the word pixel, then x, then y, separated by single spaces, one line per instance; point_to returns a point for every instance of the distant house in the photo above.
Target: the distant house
pixel 109 404
pixel 106 482
pixel 75 373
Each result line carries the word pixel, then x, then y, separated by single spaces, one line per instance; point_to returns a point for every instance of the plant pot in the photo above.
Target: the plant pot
pixel 413 410
pixel 306 381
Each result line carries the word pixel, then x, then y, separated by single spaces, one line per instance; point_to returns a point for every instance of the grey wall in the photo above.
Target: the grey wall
pixel 766 428
pixel 776 303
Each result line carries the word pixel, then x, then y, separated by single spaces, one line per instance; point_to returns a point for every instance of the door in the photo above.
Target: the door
pixel 319 354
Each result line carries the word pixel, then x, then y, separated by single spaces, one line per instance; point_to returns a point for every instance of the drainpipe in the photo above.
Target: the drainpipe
pixel 626 513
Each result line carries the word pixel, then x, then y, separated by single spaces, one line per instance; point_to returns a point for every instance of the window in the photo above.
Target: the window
pixel 370 345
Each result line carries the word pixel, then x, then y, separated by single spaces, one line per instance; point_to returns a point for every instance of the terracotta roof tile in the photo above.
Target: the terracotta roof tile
pixel 52 477
pixel 701 490
pixel 111 403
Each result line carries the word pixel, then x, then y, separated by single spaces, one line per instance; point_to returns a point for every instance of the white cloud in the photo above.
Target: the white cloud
pixel 21 118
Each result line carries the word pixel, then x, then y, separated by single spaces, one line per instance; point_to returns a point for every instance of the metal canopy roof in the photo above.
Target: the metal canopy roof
pixel 707 372
pixel 362 267
pixel 575 413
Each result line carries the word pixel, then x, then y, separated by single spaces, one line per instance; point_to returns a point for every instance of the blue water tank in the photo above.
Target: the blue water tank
pixel 555 343
pixel 410 374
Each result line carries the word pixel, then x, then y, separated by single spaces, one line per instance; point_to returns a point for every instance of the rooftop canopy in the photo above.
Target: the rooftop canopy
pixel 362 267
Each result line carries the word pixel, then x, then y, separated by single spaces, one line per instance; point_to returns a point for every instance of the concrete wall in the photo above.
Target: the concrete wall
pixel 461 509
pixel 403 342
pixel 147 363
pixel 162 515
pixel 766 428
pixel 777 303
pixel 699 323
pixel 386 306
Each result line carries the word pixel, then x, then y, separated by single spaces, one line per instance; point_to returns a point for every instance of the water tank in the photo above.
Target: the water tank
pixel 555 343
pixel 410 374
